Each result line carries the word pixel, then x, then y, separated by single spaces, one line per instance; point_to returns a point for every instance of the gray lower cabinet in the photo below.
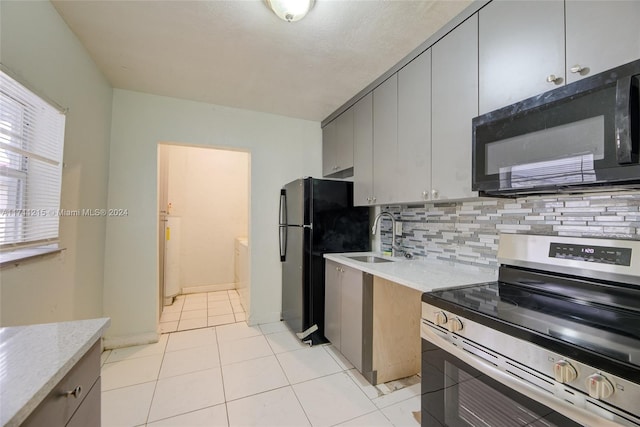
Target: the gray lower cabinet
pixel 454 105
pixel 75 400
pixel 347 318
pixel 351 319
pixel 333 303
pixel 363 152
pixel 600 35
pixel 521 50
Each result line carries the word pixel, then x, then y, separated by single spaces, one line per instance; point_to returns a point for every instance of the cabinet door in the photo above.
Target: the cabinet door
pixel 455 103
pixel 521 45
pixel 413 173
pixel 329 148
pixel 344 150
pixel 332 302
pixel 363 151
pixel 600 35
pixel 385 140
pixel 351 334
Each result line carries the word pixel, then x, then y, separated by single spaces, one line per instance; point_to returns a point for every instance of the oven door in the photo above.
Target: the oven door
pixel 455 394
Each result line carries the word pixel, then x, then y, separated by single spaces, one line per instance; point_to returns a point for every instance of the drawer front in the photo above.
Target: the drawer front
pixel 57 408
pixel 88 414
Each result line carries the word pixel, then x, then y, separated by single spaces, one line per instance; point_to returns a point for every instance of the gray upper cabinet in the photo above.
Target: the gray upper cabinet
pixel 329 148
pixel 363 151
pixel 413 166
pixel 385 140
pixel 411 136
pixel 402 135
pixel 600 35
pixel 521 50
pixel 454 104
pixel 337 144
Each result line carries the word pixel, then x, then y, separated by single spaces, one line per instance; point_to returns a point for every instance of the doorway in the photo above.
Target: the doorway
pixel 203 236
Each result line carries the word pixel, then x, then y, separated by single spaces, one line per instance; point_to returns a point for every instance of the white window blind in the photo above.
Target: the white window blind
pixel 31 146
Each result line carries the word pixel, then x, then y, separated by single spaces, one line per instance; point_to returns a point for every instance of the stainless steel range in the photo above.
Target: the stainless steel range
pixel 554 342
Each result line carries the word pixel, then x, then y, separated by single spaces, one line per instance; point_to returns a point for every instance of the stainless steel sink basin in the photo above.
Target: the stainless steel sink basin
pixel 369 258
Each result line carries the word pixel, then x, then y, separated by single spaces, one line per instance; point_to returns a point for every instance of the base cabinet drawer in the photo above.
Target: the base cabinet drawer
pixel 70 395
pixel 88 414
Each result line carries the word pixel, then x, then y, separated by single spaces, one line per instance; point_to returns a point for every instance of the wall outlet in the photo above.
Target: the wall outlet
pixel 398 228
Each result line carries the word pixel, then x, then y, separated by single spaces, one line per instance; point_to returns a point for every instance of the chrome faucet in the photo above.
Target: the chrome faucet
pixel 393 230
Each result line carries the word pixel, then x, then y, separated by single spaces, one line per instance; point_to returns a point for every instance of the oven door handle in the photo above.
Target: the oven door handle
pixel 577 414
pixel 627 120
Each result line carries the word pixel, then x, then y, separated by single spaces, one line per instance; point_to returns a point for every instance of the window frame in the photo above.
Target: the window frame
pixel 32 137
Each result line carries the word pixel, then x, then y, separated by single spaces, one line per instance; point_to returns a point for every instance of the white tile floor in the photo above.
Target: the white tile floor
pixel 193 311
pixel 236 375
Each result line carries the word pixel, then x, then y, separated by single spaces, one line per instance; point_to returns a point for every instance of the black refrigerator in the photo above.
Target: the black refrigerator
pixel 317 216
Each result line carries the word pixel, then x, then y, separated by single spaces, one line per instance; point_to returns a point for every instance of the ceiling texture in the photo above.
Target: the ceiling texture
pixel 239 54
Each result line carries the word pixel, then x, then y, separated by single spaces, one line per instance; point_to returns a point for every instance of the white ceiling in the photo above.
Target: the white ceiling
pixel 238 53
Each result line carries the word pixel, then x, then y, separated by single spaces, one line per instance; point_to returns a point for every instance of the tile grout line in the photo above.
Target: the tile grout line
pixel 292 389
pixel 224 392
pixel 155 387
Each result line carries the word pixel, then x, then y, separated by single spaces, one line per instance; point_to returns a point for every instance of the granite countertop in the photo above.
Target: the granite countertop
pixel 424 275
pixel 34 358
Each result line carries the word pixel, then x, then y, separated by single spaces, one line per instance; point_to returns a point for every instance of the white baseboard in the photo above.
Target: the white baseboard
pixel 261 318
pixel 208 288
pixel 110 343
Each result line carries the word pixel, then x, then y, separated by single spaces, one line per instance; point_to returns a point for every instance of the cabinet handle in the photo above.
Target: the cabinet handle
pixel 335 168
pixel 373 199
pixel 551 78
pixel 578 69
pixel 425 195
pixel 76 392
pixel 435 194
pixel 369 199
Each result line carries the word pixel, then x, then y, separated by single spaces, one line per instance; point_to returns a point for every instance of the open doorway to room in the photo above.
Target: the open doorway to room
pixel 203 236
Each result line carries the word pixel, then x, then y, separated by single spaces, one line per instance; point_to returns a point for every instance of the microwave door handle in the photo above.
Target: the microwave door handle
pixel 626 120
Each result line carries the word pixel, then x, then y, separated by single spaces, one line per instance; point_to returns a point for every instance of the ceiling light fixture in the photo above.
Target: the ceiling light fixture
pixel 290 10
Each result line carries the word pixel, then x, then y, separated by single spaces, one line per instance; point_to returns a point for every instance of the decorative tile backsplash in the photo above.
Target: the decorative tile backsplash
pixel 468 232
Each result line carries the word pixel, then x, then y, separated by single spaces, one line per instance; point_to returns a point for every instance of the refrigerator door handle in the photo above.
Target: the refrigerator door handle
pixel 283 207
pixel 283 243
pixel 283 225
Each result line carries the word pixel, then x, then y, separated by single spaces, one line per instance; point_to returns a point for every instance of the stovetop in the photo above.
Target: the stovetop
pixel 563 316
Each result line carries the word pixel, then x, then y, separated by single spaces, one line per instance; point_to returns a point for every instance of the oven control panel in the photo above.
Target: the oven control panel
pixel 582 385
pixel 591 253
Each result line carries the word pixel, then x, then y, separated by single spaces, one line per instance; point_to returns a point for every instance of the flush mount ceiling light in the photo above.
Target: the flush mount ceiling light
pixel 290 10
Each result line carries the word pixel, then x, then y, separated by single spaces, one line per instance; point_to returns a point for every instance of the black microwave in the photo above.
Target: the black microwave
pixel 582 136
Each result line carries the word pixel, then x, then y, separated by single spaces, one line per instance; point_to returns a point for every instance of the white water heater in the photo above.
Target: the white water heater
pixel 171 259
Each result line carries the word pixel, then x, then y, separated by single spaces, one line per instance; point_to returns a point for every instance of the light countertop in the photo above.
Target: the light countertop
pixel 424 275
pixel 34 358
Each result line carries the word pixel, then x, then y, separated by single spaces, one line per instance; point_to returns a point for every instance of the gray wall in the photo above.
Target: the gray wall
pixel 43 53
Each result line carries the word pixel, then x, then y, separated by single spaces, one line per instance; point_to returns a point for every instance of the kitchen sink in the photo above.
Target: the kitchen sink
pixel 369 258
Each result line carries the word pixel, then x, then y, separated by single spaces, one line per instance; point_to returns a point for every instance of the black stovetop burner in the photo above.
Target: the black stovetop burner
pixel 600 317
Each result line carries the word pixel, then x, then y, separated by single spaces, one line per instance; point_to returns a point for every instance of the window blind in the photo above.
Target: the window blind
pixel 31 147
